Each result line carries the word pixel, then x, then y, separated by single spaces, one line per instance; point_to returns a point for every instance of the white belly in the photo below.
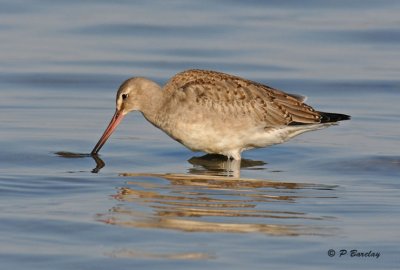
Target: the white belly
pixel 231 140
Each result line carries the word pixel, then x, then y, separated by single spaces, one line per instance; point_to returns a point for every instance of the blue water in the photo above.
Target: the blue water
pixel 151 203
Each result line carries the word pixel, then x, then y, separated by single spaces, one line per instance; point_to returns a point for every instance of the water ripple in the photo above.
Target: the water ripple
pixel 146 30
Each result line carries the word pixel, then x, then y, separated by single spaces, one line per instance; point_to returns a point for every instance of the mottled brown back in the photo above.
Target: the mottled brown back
pixel 230 94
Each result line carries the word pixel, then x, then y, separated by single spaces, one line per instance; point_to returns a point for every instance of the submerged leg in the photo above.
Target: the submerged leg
pixel 233 168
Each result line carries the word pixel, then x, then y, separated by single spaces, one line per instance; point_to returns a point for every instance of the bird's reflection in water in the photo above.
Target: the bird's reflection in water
pixel 218 204
pixel 211 164
pixel 213 198
pixel 127 253
pixel 99 162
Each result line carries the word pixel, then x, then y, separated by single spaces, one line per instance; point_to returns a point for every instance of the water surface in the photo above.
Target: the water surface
pixel 146 201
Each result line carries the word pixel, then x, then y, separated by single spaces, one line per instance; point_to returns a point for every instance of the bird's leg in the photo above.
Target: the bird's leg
pixel 233 168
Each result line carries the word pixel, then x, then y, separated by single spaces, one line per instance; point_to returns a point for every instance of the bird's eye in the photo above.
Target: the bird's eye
pixel 124 96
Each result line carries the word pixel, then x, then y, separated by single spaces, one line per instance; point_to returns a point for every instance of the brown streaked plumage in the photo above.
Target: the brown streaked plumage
pixel 218 113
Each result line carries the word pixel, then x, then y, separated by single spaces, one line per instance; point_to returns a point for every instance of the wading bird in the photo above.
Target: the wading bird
pixel 217 113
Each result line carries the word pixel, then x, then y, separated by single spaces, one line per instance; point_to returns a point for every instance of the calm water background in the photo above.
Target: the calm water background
pixel 60 65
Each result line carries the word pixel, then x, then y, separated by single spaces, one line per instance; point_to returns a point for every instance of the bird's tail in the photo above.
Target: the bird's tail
pixel 333 117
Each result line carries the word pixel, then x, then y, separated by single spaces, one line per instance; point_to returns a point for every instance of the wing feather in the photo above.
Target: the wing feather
pixel 230 94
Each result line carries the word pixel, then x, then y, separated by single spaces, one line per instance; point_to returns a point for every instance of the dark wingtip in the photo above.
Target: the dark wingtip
pixel 333 117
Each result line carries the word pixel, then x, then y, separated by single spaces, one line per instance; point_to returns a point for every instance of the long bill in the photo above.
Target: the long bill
pixel 116 119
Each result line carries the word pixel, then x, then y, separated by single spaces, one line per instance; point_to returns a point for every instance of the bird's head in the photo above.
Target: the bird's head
pixel 131 96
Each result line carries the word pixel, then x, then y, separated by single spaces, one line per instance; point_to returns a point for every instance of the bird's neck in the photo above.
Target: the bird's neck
pixel 152 102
